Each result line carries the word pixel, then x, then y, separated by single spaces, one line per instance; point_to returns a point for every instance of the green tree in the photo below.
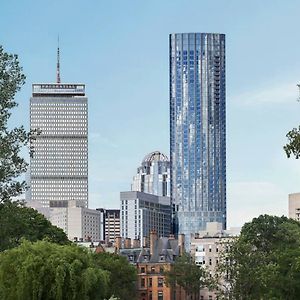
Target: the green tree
pixel 47 271
pixel 122 275
pixel 18 222
pixel 11 140
pixel 293 145
pixel 185 273
pixel 263 263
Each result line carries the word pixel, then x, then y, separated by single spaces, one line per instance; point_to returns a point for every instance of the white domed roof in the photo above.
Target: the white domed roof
pixel 155 156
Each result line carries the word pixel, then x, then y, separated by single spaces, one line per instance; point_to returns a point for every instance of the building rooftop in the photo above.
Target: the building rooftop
pixel 155 156
pixel 47 89
pixel 165 250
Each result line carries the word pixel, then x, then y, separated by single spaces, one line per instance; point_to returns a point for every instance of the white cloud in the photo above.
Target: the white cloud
pixel 273 94
pixel 247 200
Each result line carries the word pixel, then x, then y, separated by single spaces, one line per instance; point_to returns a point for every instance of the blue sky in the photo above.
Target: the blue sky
pixel 119 49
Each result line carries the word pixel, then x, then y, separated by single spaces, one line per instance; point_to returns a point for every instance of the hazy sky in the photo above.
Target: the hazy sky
pixel 119 49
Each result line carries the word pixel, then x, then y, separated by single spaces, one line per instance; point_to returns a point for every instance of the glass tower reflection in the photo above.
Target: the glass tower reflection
pixel 197 130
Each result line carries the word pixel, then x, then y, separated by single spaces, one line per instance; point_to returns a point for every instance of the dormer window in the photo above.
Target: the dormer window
pixel 146 258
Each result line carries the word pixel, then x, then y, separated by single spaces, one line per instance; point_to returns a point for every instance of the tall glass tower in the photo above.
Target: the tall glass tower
pixel 197 130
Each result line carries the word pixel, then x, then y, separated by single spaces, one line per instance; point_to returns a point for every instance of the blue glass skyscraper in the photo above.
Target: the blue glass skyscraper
pixel 197 130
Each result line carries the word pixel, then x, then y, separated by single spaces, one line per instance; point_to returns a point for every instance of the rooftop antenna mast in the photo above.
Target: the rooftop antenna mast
pixel 58 65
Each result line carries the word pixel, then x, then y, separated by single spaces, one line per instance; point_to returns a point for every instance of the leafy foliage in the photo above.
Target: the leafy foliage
pixel 18 222
pixel 122 275
pixel 186 274
pixel 47 271
pixel 263 263
pixel 293 145
pixel 11 141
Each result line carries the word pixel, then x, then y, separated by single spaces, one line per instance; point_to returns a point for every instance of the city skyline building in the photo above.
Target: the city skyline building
pixel 153 176
pixel 78 222
pixel 141 213
pixel 294 206
pixel 197 130
pixel 207 247
pixel 110 224
pixel 59 166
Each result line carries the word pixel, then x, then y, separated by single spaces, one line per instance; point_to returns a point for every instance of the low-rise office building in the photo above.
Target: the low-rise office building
pixel 79 223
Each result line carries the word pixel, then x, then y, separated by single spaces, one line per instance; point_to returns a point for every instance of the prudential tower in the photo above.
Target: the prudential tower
pixel 198 130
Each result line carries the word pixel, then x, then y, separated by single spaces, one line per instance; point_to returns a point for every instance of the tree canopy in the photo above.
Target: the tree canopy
pixel 185 273
pixel 19 222
pixel 12 165
pixel 48 271
pixel 293 145
pixel 264 262
pixel 122 275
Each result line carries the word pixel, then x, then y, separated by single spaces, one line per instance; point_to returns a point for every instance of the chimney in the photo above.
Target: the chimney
pixel 171 237
pixel 136 243
pixel 145 242
pixel 118 243
pixel 153 239
pixel 127 244
pixel 181 239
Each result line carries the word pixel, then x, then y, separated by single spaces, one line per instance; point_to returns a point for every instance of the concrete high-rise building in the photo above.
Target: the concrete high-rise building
pixel 141 213
pixel 198 130
pixel 110 224
pixel 153 176
pixel 59 166
pixel 294 206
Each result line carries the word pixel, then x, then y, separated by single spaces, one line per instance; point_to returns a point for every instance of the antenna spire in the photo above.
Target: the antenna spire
pixel 58 65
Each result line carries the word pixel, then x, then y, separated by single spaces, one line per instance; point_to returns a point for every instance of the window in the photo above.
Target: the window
pixel 210 297
pixel 150 282
pixel 152 269
pixel 160 282
pixel 142 282
pixel 142 269
pixel 160 296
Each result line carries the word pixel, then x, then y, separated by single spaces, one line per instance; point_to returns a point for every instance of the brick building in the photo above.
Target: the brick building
pixel 151 263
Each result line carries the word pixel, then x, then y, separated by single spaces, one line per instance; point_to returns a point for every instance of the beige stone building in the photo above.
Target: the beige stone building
pixel 206 247
pixel 294 206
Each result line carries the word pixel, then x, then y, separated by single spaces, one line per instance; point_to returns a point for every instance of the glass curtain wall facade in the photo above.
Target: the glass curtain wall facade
pixel 59 166
pixel 197 130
